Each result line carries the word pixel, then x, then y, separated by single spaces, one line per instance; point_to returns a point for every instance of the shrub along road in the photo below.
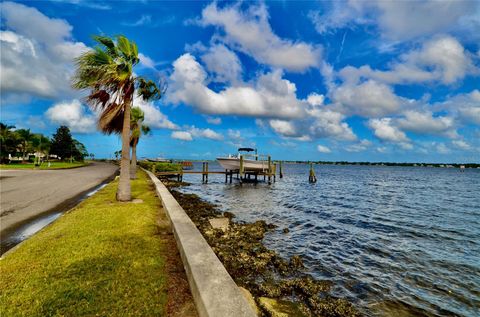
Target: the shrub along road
pixel 28 193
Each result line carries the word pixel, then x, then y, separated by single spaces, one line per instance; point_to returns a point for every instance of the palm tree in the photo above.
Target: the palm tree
pixel 41 145
pixel 136 124
pixel 107 71
pixel 9 142
pixel 26 138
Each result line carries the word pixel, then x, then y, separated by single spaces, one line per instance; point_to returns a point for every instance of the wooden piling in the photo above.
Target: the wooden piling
pixel 281 169
pixel 269 169
pixel 206 172
pixel 312 178
pixel 242 168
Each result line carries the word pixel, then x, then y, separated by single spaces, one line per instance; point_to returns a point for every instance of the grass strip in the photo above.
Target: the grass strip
pixel 102 258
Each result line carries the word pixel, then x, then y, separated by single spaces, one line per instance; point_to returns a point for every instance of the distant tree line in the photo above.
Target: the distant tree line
pixel 467 165
pixel 22 143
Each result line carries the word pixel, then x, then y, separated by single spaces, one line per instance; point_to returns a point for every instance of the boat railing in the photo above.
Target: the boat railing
pixel 255 157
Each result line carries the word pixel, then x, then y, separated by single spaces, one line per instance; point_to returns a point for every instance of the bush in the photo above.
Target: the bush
pixel 161 166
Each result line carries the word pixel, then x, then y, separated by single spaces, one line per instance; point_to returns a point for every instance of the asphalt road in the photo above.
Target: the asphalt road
pixel 25 194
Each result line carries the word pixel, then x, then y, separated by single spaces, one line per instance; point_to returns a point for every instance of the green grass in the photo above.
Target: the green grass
pixel 103 258
pixel 43 166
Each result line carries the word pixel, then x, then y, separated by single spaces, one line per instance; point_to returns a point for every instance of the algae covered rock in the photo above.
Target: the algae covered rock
pixel 280 308
pixel 248 296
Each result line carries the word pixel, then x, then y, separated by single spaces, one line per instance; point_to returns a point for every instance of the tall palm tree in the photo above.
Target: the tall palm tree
pixel 136 125
pixel 107 71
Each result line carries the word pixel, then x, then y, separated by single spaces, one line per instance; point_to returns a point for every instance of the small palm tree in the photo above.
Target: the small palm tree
pixel 41 145
pixel 107 71
pixel 137 126
pixel 26 138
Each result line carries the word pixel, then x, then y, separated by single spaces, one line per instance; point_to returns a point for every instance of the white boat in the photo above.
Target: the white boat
pixel 251 162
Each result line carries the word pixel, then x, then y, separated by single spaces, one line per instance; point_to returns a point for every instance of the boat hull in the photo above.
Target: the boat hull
pixel 248 165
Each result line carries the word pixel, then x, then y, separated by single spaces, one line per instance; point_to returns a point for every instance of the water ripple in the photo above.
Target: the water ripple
pixel 397 241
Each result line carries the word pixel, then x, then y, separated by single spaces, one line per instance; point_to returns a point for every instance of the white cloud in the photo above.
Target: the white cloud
pixel 426 123
pixel 359 147
pixel 327 123
pixel 384 130
pixel 462 145
pixel 369 99
pixel 315 99
pixel 154 118
pixel 466 107
pixel 146 61
pixel 145 19
pixel 441 59
pixel 284 128
pixel 250 32
pixel 193 132
pixel 269 96
pixel 442 148
pixel 205 133
pixel 72 114
pixel 214 120
pixel 400 20
pixel 223 64
pixel 182 135
pixel 37 53
pixel 323 149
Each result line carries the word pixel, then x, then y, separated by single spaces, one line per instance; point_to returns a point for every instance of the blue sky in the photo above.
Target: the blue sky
pixel 354 80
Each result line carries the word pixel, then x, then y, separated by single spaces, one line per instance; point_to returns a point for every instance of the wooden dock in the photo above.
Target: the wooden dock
pixel 243 176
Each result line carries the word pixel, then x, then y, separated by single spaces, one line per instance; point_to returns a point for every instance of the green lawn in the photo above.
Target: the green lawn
pixel 103 258
pixel 43 166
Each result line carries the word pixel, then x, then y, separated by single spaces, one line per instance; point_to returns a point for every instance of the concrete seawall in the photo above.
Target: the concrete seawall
pixel 213 289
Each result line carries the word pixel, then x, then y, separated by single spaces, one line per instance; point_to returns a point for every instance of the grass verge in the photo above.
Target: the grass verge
pixel 103 258
pixel 43 166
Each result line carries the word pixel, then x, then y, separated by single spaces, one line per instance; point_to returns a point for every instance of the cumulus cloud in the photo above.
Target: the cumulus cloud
pixel 442 59
pixel 399 20
pixel 323 149
pixel 269 96
pixel 426 123
pixel 462 145
pixel 319 122
pixel 223 64
pixel 154 118
pixel 193 132
pixel 72 114
pixel 369 99
pixel 182 135
pixel 37 52
pixel 250 32
pixel 386 131
pixel 465 107
pixel 360 146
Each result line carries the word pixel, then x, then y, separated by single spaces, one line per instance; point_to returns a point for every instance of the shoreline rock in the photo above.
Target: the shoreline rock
pixel 256 268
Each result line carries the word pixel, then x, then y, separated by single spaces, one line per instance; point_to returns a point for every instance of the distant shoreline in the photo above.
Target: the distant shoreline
pixel 441 165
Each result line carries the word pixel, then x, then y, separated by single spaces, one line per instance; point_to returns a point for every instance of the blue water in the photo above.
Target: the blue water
pixel 397 241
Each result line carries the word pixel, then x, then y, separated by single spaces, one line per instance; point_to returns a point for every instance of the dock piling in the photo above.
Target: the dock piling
pixel 281 169
pixel 312 178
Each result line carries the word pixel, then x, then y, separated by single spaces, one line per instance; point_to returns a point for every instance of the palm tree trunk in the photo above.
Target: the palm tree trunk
pixel 133 165
pixel 124 190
